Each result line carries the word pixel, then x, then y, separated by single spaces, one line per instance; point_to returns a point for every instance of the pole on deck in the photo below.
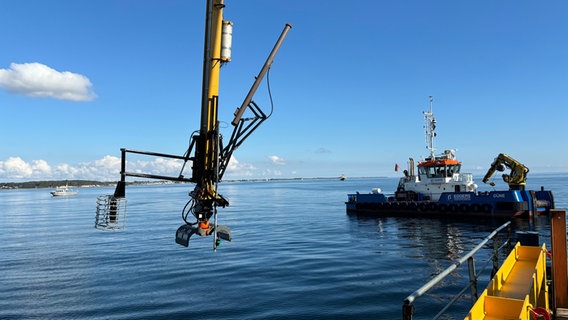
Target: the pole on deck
pixel 472 279
pixel 559 258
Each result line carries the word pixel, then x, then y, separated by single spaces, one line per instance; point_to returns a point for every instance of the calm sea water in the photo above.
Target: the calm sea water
pixel 295 254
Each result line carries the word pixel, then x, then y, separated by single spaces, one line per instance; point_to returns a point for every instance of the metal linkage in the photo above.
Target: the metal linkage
pixel 179 178
pixel 408 307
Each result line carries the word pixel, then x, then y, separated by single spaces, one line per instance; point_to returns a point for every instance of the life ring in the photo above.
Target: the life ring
pixel 464 208
pixel 475 208
pixel 486 208
pixel 453 207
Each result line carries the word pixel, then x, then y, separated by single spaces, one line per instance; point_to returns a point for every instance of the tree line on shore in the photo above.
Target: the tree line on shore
pixel 53 184
pixel 93 183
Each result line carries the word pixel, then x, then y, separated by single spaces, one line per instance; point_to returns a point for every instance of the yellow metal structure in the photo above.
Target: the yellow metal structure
pixel 212 64
pixel 518 287
pixel 210 158
pixel 205 170
pixel 516 180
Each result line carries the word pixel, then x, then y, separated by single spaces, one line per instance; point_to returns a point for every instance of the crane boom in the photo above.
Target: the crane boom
pixel 204 172
pixel 516 179
pixel 209 159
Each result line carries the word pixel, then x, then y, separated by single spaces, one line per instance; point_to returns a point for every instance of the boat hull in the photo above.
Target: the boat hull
pixel 63 194
pixel 495 204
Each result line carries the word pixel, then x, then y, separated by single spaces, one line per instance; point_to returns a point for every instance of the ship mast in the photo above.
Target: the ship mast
pixel 430 125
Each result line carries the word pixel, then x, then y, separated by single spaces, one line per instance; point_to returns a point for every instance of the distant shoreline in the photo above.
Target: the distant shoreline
pixel 93 184
pixel 53 184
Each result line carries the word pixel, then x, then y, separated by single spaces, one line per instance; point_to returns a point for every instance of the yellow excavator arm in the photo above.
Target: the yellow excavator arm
pixel 516 179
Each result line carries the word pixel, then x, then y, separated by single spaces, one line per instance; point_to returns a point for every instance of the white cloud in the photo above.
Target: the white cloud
pixel 271 173
pixel 277 160
pixel 158 166
pixel 38 80
pixel 108 169
pixel 15 168
pixel 66 171
pixel 236 168
pixel 41 166
pixel 105 169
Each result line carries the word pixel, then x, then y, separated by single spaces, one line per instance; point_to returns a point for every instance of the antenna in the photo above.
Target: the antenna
pixel 430 125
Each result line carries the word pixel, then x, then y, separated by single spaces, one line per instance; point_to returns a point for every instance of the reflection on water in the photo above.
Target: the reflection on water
pixel 295 254
pixel 437 244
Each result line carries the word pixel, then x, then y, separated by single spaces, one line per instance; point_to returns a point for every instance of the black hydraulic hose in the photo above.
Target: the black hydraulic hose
pixel 184 214
pixel 269 93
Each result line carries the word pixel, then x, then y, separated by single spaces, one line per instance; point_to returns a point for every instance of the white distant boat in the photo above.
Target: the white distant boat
pixel 64 191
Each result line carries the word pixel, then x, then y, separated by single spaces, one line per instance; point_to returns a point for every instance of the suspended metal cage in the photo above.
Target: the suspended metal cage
pixel 111 213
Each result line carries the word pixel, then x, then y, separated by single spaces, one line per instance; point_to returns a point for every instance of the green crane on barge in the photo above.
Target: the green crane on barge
pixel 208 156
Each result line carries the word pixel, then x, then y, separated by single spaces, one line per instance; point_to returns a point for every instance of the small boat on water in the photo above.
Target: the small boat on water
pixel 441 189
pixel 64 191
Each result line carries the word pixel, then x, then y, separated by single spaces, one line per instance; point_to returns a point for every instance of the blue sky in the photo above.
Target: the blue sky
pixel 81 79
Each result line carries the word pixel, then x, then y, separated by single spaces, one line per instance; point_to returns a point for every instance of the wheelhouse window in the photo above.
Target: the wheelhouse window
pixel 454 168
pixel 439 171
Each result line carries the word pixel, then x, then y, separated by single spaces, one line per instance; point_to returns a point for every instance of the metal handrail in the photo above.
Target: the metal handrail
pixel 407 307
pixel 472 282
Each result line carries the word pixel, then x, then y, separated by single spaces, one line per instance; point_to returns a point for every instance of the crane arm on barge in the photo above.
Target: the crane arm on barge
pixel 206 152
pixel 516 179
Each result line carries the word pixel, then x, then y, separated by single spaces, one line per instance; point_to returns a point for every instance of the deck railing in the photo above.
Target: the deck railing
pixel 465 177
pixel 408 306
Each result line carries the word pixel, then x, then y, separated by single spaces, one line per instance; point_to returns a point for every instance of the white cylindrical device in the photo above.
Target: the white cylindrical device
pixel 226 41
